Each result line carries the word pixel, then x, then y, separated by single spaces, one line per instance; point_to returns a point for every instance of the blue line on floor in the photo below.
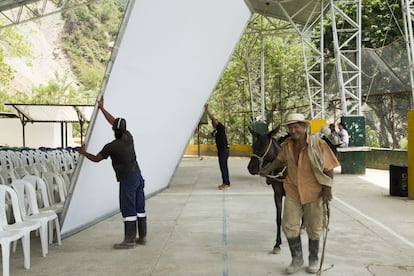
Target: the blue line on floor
pixel 224 237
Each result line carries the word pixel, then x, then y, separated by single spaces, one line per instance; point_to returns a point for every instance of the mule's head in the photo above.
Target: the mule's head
pixel 265 150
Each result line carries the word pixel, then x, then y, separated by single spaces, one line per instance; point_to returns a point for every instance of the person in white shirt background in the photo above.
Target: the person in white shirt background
pixel 343 135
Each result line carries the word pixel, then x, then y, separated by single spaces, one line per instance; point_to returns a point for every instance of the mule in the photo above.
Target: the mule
pixel 265 150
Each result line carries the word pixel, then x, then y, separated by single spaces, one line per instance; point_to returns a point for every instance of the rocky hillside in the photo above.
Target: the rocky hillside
pixel 46 59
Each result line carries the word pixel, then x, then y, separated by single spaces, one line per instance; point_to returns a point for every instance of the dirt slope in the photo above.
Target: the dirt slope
pixel 47 58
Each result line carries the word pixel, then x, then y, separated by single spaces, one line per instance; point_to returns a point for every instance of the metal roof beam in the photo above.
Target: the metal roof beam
pixel 408 15
pixel 20 11
pixel 313 57
pixel 347 50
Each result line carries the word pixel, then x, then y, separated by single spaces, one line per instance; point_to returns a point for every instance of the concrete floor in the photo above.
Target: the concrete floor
pixel 195 229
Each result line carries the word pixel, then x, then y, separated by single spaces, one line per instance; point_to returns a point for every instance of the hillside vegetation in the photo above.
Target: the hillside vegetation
pixel 84 43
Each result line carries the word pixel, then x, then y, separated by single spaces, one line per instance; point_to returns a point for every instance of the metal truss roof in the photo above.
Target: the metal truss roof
pixel 18 11
pixel 52 113
pixel 300 11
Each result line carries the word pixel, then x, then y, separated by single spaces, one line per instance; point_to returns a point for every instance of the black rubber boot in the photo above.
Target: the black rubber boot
pixel 295 246
pixel 313 256
pixel 142 231
pixel 130 232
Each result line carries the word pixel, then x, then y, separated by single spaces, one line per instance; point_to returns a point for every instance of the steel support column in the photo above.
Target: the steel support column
pixel 346 29
pixel 408 15
pixel 312 55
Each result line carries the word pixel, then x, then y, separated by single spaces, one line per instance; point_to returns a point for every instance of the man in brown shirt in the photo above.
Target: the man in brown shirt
pixel 310 163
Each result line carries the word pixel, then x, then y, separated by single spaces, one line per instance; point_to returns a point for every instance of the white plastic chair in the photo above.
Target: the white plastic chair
pixel 43 196
pixel 6 238
pixel 57 187
pixel 20 172
pixel 8 173
pixel 33 170
pixel 18 225
pixel 25 191
pixel 15 158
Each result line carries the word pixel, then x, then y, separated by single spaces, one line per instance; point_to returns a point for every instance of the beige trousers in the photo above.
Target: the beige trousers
pixel 312 214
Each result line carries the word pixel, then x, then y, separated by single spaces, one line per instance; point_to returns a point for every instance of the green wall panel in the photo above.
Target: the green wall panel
pixel 356 130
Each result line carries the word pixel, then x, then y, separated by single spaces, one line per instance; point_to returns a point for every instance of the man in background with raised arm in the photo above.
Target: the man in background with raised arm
pixel 223 151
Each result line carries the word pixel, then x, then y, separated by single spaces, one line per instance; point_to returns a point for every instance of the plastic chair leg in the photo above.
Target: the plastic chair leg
pixel 50 227
pixel 26 250
pixel 44 239
pixel 57 227
pixel 5 250
pixel 14 246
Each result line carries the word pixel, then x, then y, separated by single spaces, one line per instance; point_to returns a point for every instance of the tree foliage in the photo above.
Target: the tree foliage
pixel 237 97
pixel 11 44
pixel 382 23
pixel 89 32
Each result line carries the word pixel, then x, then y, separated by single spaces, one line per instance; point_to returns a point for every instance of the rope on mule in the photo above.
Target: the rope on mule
pixel 279 176
pixel 326 212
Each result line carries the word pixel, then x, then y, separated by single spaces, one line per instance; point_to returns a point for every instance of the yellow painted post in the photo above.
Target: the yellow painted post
pixel 315 125
pixel 410 153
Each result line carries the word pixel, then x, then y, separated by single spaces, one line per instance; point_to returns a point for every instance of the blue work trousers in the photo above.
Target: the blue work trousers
pixel 223 156
pixel 131 196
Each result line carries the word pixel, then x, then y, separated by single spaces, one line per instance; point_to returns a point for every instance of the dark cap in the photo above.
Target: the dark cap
pixel 119 124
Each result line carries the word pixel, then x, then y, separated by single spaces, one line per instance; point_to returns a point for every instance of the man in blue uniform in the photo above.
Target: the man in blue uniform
pixel 219 134
pixel 131 188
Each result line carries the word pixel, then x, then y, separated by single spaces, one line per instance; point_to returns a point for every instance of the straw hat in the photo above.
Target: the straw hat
pixel 296 118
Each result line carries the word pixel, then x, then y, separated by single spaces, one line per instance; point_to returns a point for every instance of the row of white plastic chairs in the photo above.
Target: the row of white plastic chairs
pixel 40 177
pixel 21 214
pixel 17 163
pixel 51 165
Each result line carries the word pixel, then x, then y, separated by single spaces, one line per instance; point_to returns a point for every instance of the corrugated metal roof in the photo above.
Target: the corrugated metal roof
pixel 300 11
pixel 52 113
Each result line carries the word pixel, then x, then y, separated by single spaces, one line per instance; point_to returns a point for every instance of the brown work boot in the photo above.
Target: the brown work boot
pixel 124 245
pixel 224 187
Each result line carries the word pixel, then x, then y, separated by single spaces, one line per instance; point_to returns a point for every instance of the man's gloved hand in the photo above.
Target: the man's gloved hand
pixel 326 193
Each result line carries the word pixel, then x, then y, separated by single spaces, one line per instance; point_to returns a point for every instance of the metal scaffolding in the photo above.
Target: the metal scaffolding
pixel 346 30
pixel 313 58
pixel 13 12
pixel 408 12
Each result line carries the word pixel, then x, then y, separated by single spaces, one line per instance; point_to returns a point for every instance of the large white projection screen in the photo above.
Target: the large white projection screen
pixel 171 57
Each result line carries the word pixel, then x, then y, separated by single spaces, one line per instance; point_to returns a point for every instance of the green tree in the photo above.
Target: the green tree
pixel 60 91
pixel 11 44
pixel 371 137
pixel 382 24
pixel 89 32
pixel 236 99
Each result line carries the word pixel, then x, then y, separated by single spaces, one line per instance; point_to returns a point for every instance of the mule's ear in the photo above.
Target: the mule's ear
pixel 254 133
pixel 274 131
pixel 250 130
